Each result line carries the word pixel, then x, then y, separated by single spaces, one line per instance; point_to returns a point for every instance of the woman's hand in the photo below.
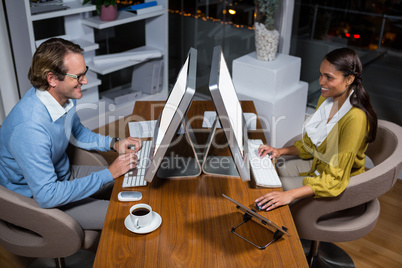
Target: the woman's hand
pixel 277 198
pixel 274 199
pixel 263 150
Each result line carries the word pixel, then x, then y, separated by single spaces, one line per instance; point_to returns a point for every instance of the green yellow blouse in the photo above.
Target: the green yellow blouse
pixel 340 156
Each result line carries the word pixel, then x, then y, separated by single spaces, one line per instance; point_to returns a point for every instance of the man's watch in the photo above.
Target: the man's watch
pixel 112 144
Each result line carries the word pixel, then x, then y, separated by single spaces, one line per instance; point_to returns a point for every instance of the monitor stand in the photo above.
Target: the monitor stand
pixel 175 166
pixel 217 165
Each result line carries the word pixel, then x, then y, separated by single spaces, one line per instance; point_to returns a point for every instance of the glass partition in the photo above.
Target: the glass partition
pixel 204 24
pixel 372 28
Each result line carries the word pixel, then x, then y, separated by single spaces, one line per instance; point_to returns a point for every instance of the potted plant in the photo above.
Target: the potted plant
pixel 106 8
pixel 266 36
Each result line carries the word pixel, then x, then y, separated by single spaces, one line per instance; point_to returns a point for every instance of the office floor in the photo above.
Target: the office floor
pixel 381 248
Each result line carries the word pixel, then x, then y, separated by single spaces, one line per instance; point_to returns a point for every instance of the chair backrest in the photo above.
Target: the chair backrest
pixel 386 154
pixel 387 147
pixel 28 230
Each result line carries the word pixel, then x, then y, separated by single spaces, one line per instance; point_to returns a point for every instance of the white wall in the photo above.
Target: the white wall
pixel 8 85
pixel 285 12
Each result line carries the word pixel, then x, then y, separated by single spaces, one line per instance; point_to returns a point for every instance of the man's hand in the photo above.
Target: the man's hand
pixel 125 146
pixel 123 164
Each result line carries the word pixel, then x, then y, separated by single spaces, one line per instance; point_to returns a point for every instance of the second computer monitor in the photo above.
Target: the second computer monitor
pixel 230 115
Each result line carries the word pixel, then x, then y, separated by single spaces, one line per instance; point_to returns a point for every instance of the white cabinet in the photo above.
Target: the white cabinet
pixel 79 25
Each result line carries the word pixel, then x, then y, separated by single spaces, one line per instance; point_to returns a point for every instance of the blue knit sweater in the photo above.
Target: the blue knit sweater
pixel 33 159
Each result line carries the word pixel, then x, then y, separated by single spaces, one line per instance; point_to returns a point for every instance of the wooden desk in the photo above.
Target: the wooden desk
pixel 196 219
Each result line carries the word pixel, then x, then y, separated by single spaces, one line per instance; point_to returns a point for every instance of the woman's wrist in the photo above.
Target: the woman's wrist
pixel 292 150
pixel 283 151
pixel 279 152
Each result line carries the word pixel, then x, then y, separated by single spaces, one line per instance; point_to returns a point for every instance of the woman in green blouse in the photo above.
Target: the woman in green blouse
pixel 335 138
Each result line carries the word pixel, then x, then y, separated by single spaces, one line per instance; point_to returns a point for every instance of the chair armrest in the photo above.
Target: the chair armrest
pixel 308 212
pixel 83 157
pixel 28 230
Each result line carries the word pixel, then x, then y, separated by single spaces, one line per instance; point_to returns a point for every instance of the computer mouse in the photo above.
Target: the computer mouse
pixel 260 207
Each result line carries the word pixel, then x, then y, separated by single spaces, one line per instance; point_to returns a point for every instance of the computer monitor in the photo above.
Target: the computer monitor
pixel 170 120
pixel 230 115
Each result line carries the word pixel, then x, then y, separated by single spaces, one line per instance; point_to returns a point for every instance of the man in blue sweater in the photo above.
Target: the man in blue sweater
pixel 35 135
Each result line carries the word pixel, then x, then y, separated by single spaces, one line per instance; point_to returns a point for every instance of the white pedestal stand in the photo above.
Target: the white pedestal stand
pixel 279 96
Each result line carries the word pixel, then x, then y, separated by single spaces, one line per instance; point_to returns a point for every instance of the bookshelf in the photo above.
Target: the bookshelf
pixel 79 26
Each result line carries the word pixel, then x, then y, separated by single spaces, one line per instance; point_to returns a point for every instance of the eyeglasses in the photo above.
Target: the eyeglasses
pixel 79 77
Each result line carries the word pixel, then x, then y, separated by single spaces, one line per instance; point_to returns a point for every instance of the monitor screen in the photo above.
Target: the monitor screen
pixel 173 113
pixel 229 112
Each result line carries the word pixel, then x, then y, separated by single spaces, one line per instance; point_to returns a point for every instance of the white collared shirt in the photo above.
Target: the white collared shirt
pixel 52 105
pixel 318 126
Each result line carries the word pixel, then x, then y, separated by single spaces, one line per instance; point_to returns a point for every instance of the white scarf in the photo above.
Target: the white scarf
pixel 317 127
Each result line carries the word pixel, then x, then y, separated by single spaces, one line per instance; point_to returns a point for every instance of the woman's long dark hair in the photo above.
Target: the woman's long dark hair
pixel 346 61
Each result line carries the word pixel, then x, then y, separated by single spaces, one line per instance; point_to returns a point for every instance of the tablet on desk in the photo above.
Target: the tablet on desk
pixel 263 220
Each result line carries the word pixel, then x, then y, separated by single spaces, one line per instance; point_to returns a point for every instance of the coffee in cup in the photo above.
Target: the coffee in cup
pixel 140 211
pixel 141 215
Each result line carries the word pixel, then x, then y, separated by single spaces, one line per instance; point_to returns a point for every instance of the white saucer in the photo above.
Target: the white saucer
pixel 156 222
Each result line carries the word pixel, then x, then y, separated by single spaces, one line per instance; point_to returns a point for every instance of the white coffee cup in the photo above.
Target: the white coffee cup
pixel 141 215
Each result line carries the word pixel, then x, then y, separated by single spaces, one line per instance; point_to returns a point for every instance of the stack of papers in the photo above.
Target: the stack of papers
pixel 142 129
pixel 209 119
pixel 146 129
